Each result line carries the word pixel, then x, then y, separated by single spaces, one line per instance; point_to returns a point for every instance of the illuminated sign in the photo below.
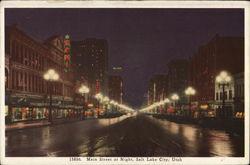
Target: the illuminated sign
pixel 97 88
pixel 67 57
pixel 117 68
pixel 204 106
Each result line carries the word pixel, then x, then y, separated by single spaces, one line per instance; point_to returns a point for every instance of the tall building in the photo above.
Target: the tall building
pixel 91 59
pixel 115 88
pixel 66 83
pixel 178 78
pixel 239 92
pixel 26 91
pixel 157 88
pixel 219 54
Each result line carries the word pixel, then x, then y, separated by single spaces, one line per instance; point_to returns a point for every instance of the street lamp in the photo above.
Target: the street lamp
pixel 50 76
pixel 106 101
pixel 84 90
pixel 115 104
pixel 112 102
pixel 165 101
pixel 189 92
pixel 99 97
pixel 223 80
pixel 175 97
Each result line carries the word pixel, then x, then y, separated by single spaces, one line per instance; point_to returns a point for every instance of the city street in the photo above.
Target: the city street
pixel 123 81
pixel 131 135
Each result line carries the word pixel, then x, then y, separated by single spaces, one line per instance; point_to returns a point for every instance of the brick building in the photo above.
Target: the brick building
pixel 115 84
pixel 220 53
pixel 90 57
pixel 26 90
pixel 178 78
pixel 157 88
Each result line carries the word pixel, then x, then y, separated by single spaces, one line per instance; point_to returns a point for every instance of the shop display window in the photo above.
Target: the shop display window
pixel 6 110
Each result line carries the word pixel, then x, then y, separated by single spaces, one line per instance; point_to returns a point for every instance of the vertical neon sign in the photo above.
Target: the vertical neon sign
pixel 67 53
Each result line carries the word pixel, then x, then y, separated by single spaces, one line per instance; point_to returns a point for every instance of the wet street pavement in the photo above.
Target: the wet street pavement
pixel 125 136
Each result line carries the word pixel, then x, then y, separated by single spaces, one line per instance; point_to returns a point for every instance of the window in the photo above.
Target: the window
pixel 21 81
pixel 32 82
pixel 225 95
pixel 29 57
pixel 217 96
pixel 29 80
pixel 25 81
pixel 239 90
pixel 14 50
pixel 230 95
pixel 220 95
pixel 17 53
pixel 13 79
pixel 17 74
pixel 6 78
pixel 236 91
pixel 242 92
pixel 21 54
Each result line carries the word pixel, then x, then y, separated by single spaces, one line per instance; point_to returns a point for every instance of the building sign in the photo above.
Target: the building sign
pixel 97 87
pixel 204 106
pixel 90 105
pixel 67 57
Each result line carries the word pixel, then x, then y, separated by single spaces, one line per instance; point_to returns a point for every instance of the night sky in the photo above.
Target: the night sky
pixel 142 41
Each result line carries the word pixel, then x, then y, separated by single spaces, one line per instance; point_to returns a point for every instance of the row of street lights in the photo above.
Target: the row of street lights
pixel 51 76
pixel 222 79
pixel 174 97
pixel 106 100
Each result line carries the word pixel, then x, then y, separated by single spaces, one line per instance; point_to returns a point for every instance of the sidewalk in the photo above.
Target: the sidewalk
pixel 34 124
pixel 23 125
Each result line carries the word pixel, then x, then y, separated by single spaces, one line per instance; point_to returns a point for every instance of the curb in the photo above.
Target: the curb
pixel 28 127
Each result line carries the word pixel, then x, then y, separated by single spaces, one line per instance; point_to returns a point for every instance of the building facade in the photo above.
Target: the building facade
pixel 115 89
pixel 219 54
pixel 239 93
pixel 26 90
pixel 91 59
pixel 178 78
pixel 157 88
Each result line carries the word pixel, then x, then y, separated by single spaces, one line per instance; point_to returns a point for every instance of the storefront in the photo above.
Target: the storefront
pixel 26 109
pixel 28 113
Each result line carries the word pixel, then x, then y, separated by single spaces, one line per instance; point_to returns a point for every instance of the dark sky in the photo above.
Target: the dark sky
pixel 142 41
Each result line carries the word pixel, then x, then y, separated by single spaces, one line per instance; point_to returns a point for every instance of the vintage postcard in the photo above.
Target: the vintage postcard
pixel 115 82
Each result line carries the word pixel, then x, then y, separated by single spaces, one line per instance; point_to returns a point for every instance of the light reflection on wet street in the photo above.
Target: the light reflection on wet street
pixel 124 136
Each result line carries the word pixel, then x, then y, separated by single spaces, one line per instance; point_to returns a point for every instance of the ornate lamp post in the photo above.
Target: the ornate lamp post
pixel 189 92
pixel 112 105
pixel 84 90
pixel 166 101
pixel 175 97
pixel 115 104
pixel 223 80
pixel 50 76
pixel 106 101
pixel 99 97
